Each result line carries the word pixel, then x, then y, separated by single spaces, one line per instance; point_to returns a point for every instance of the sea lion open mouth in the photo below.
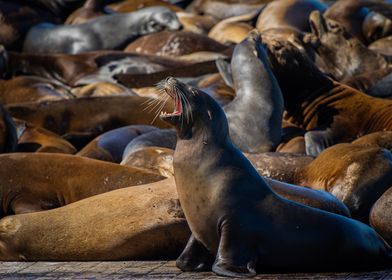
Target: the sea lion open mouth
pixel 174 92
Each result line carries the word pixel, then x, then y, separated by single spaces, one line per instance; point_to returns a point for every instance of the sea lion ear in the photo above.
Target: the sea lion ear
pixel 224 69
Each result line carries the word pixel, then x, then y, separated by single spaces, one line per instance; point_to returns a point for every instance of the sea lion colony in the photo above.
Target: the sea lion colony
pixel 234 136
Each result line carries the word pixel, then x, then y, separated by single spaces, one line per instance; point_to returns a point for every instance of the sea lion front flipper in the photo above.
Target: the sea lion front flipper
pixel 195 257
pixel 224 69
pixel 317 141
pixel 234 258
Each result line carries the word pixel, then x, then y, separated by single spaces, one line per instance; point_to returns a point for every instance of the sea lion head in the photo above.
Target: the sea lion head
pixel 161 18
pixel 376 26
pixel 343 55
pixel 195 112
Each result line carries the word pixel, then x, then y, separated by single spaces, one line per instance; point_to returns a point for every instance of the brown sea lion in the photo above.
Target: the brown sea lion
pixel 331 112
pixel 134 223
pixel 91 9
pixel 343 56
pixel 350 14
pixel 381 139
pixel 239 225
pixel 233 29
pixel 215 86
pixel 41 181
pixel 88 117
pixel 110 146
pixel 355 174
pixel 127 6
pixel 382 46
pixel 98 34
pixel 293 140
pixel 226 8
pixel 70 69
pixel 155 159
pixel 40 140
pixel 288 13
pixel 380 216
pixel 174 44
pixel 102 89
pixel 32 89
pixel 376 26
pixel 200 24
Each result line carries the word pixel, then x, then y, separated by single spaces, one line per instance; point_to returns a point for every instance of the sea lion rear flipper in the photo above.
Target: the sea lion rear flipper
pixel 317 141
pixel 234 257
pixel 224 68
pixel 195 257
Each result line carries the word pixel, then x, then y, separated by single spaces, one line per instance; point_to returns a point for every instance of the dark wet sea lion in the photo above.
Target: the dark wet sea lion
pixel 164 138
pixel 40 140
pixel 381 216
pixel 239 225
pixel 110 146
pixel 288 13
pixel 355 174
pixel 41 181
pixel 255 114
pixel 31 89
pixel 8 132
pixel 135 223
pixel 71 69
pixel 126 6
pixel 174 44
pixel 343 55
pixel 91 9
pixel 87 117
pixel 331 112
pixel 98 34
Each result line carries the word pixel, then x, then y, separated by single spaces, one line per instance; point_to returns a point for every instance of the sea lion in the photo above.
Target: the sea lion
pixel 102 89
pixel 376 26
pixel 381 139
pixel 134 223
pixel 110 145
pixel 164 138
pixel 350 14
pixel 155 159
pixel 279 166
pixel 127 6
pixel 288 13
pixel 32 89
pixel 215 86
pixel 174 44
pixel 343 55
pixel 355 174
pixel 380 216
pixel 330 111
pixel 41 181
pixel 382 46
pixel 255 114
pixel 91 9
pixel 40 140
pixel 81 120
pixel 98 34
pixel 200 24
pixel 8 132
pixel 72 69
pixel 233 29
pixel 225 9
pixel 239 225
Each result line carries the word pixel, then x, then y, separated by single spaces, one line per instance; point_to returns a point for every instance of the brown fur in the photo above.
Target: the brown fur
pixel 36 182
